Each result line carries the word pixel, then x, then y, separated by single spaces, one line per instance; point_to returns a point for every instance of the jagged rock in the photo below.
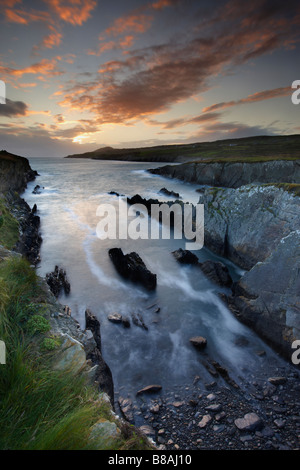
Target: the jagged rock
pixel 132 267
pixel 115 318
pixel 150 389
pixel 37 189
pixel 103 375
pixel 57 281
pixel 169 193
pixel 216 272
pixel 185 256
pixel 126 407
pixel 199 342
pixel 250 422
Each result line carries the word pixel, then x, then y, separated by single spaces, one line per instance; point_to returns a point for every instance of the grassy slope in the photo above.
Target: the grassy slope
pixel 259 148
pixel 9 227
pixel 41 408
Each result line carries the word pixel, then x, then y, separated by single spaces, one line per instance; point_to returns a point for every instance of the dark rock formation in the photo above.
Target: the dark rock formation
pixel 170 193
pixel 103 375
pixel 233 174
pixel 132 267
pixel 57 281
pixel 15 172
pixel 37 189
pixel 30 240
pixel 185 256
pixel 199 342
pixel 216 272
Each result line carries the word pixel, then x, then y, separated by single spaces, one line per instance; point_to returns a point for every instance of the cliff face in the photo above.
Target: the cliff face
pixel 257 227
pixel 15 172
pixel 233 174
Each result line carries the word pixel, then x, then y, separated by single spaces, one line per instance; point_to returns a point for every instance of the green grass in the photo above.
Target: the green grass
pixel 42 408
pixel 249 149
pixel 9 227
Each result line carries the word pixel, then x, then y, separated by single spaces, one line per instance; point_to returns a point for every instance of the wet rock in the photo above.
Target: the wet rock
pixel 57 281
pixel 115 318
pixel 37 189
pixel 216 272
pixel 250 422
pixel 126 407
pixel 185 256
pixel 169 193
pixel 150 389
pixel 138 320
pixel 199 342
pixel 279 423
pixel 132 267
pixel 103 375
pixel 277 380
pixel 126 322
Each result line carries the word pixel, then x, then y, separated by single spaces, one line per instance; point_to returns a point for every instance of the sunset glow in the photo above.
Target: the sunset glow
pixel 140 73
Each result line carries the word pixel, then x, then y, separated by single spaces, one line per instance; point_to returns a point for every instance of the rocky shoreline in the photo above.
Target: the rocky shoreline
pixel 216 414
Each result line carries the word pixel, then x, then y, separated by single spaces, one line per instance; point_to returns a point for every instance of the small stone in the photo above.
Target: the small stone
pixel 177 404
pixel 279 423
pixel 250 422
pixel 211 396
pixel 220 416
pixel 155 408
pixel 215 408
pixel 204 421
pixel 277 380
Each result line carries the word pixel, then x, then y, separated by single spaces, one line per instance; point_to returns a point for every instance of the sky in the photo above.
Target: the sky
pixel 84 74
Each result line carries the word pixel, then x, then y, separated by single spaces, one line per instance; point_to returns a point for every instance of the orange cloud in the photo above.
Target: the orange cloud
pixel 45 67
pixel 138 23
pixel 160 4
pixel 75 12
pixel 14 17
pixel 259 96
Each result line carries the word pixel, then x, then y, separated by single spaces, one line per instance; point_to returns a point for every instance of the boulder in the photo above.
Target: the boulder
pixel 57 281
pixel 107 432
pixel 169 193
pixel 216 272
pixel 37 189
pixel 132 267
pixel 115 318
pixel 185 256
pixel 199 342
pixel 150 389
